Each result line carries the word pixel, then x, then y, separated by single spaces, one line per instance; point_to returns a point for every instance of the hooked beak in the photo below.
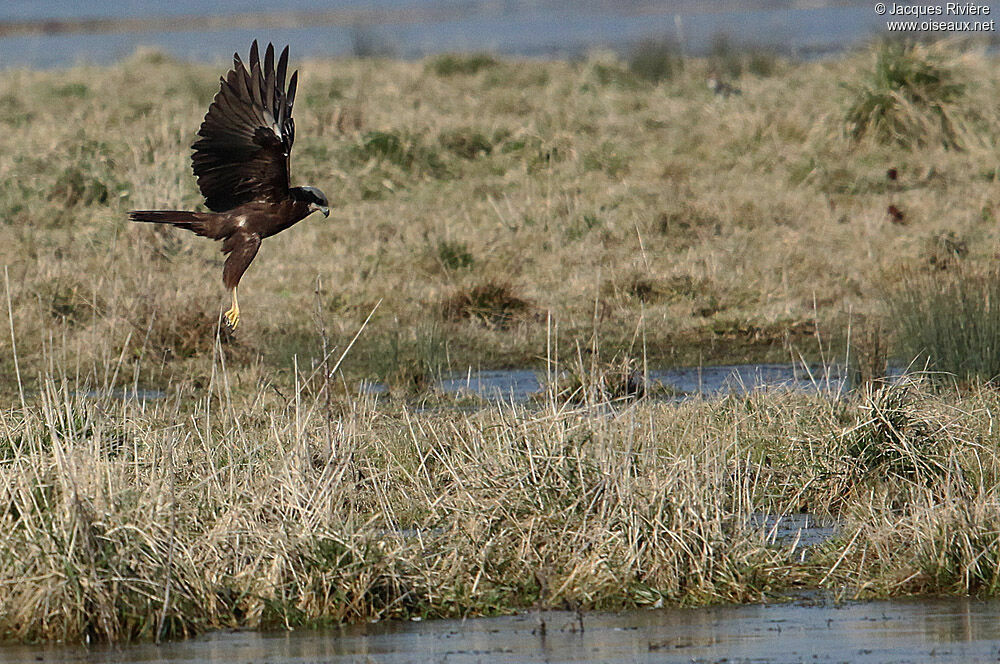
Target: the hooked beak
pixel 325 210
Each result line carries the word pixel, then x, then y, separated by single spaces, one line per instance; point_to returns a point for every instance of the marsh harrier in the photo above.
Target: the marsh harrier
pixel 241 162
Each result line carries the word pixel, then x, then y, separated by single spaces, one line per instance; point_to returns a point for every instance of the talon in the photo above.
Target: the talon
pixel 233 315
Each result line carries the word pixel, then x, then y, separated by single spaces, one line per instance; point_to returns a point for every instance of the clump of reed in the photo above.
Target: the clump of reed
pixel 950 321
pixel 917 513
pixel 911 96
pixel 593 381
pixel 895 436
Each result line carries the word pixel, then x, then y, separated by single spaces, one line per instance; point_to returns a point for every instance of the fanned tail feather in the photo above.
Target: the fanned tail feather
pixel 202 223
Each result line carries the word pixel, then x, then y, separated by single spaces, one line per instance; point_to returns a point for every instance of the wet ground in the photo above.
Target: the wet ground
pixel 935 630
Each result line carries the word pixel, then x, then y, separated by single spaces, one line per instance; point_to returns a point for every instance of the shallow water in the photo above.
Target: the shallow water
pixel 521 384
pixel 412 28
pixel 805 530
pixel 935 630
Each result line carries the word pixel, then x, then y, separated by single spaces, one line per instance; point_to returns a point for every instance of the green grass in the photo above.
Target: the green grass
pixel 399 149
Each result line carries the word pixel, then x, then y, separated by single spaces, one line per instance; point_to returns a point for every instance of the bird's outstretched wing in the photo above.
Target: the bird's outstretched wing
pixel 247 134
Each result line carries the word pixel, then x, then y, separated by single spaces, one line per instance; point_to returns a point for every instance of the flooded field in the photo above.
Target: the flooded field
pixel 933 630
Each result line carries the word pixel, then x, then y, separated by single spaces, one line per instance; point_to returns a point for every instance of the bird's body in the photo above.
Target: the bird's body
pixel 241 162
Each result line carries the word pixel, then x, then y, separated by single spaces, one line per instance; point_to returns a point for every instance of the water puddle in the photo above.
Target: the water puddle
pixel 805 530
pixel 926 630
pixel 522 384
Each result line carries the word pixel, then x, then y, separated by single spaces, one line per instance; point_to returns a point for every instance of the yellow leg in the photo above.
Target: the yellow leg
pixel 233 315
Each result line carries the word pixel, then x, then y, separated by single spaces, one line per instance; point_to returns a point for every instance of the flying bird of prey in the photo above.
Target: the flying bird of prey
pixel 241 162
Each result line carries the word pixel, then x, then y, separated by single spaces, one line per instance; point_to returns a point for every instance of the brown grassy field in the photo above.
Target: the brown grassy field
pixel 500 213
pixel 482 205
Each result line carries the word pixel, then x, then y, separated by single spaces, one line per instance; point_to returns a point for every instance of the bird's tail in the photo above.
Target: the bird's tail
pixel 202 223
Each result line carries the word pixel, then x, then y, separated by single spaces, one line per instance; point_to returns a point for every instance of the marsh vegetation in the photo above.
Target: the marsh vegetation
pixel 491 206
pixel 603 215
pixel 242 505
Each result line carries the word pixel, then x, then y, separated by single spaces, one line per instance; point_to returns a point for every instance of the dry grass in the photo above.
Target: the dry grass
pixel 236 504
pixel 579 189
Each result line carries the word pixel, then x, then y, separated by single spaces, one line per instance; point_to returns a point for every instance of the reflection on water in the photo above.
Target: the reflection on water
pixel 936 630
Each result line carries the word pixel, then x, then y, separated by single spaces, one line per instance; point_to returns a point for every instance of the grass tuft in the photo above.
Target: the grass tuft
pixel 895 437
pixel 452 64
pixel 405 151
pixel 592 381
pixel 469 143
pixel 656 60
pixel 910 97
pixel 946 250
pixel 76 187
pixel 493 303
pixel 454 256
pixel 950 320
pixel 188 334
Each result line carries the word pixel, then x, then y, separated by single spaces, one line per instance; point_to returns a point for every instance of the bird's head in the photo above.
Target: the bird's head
pixel 314 197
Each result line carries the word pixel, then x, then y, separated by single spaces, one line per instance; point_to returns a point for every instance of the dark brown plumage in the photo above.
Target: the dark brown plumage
pixel 241 162
pixel 896 215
